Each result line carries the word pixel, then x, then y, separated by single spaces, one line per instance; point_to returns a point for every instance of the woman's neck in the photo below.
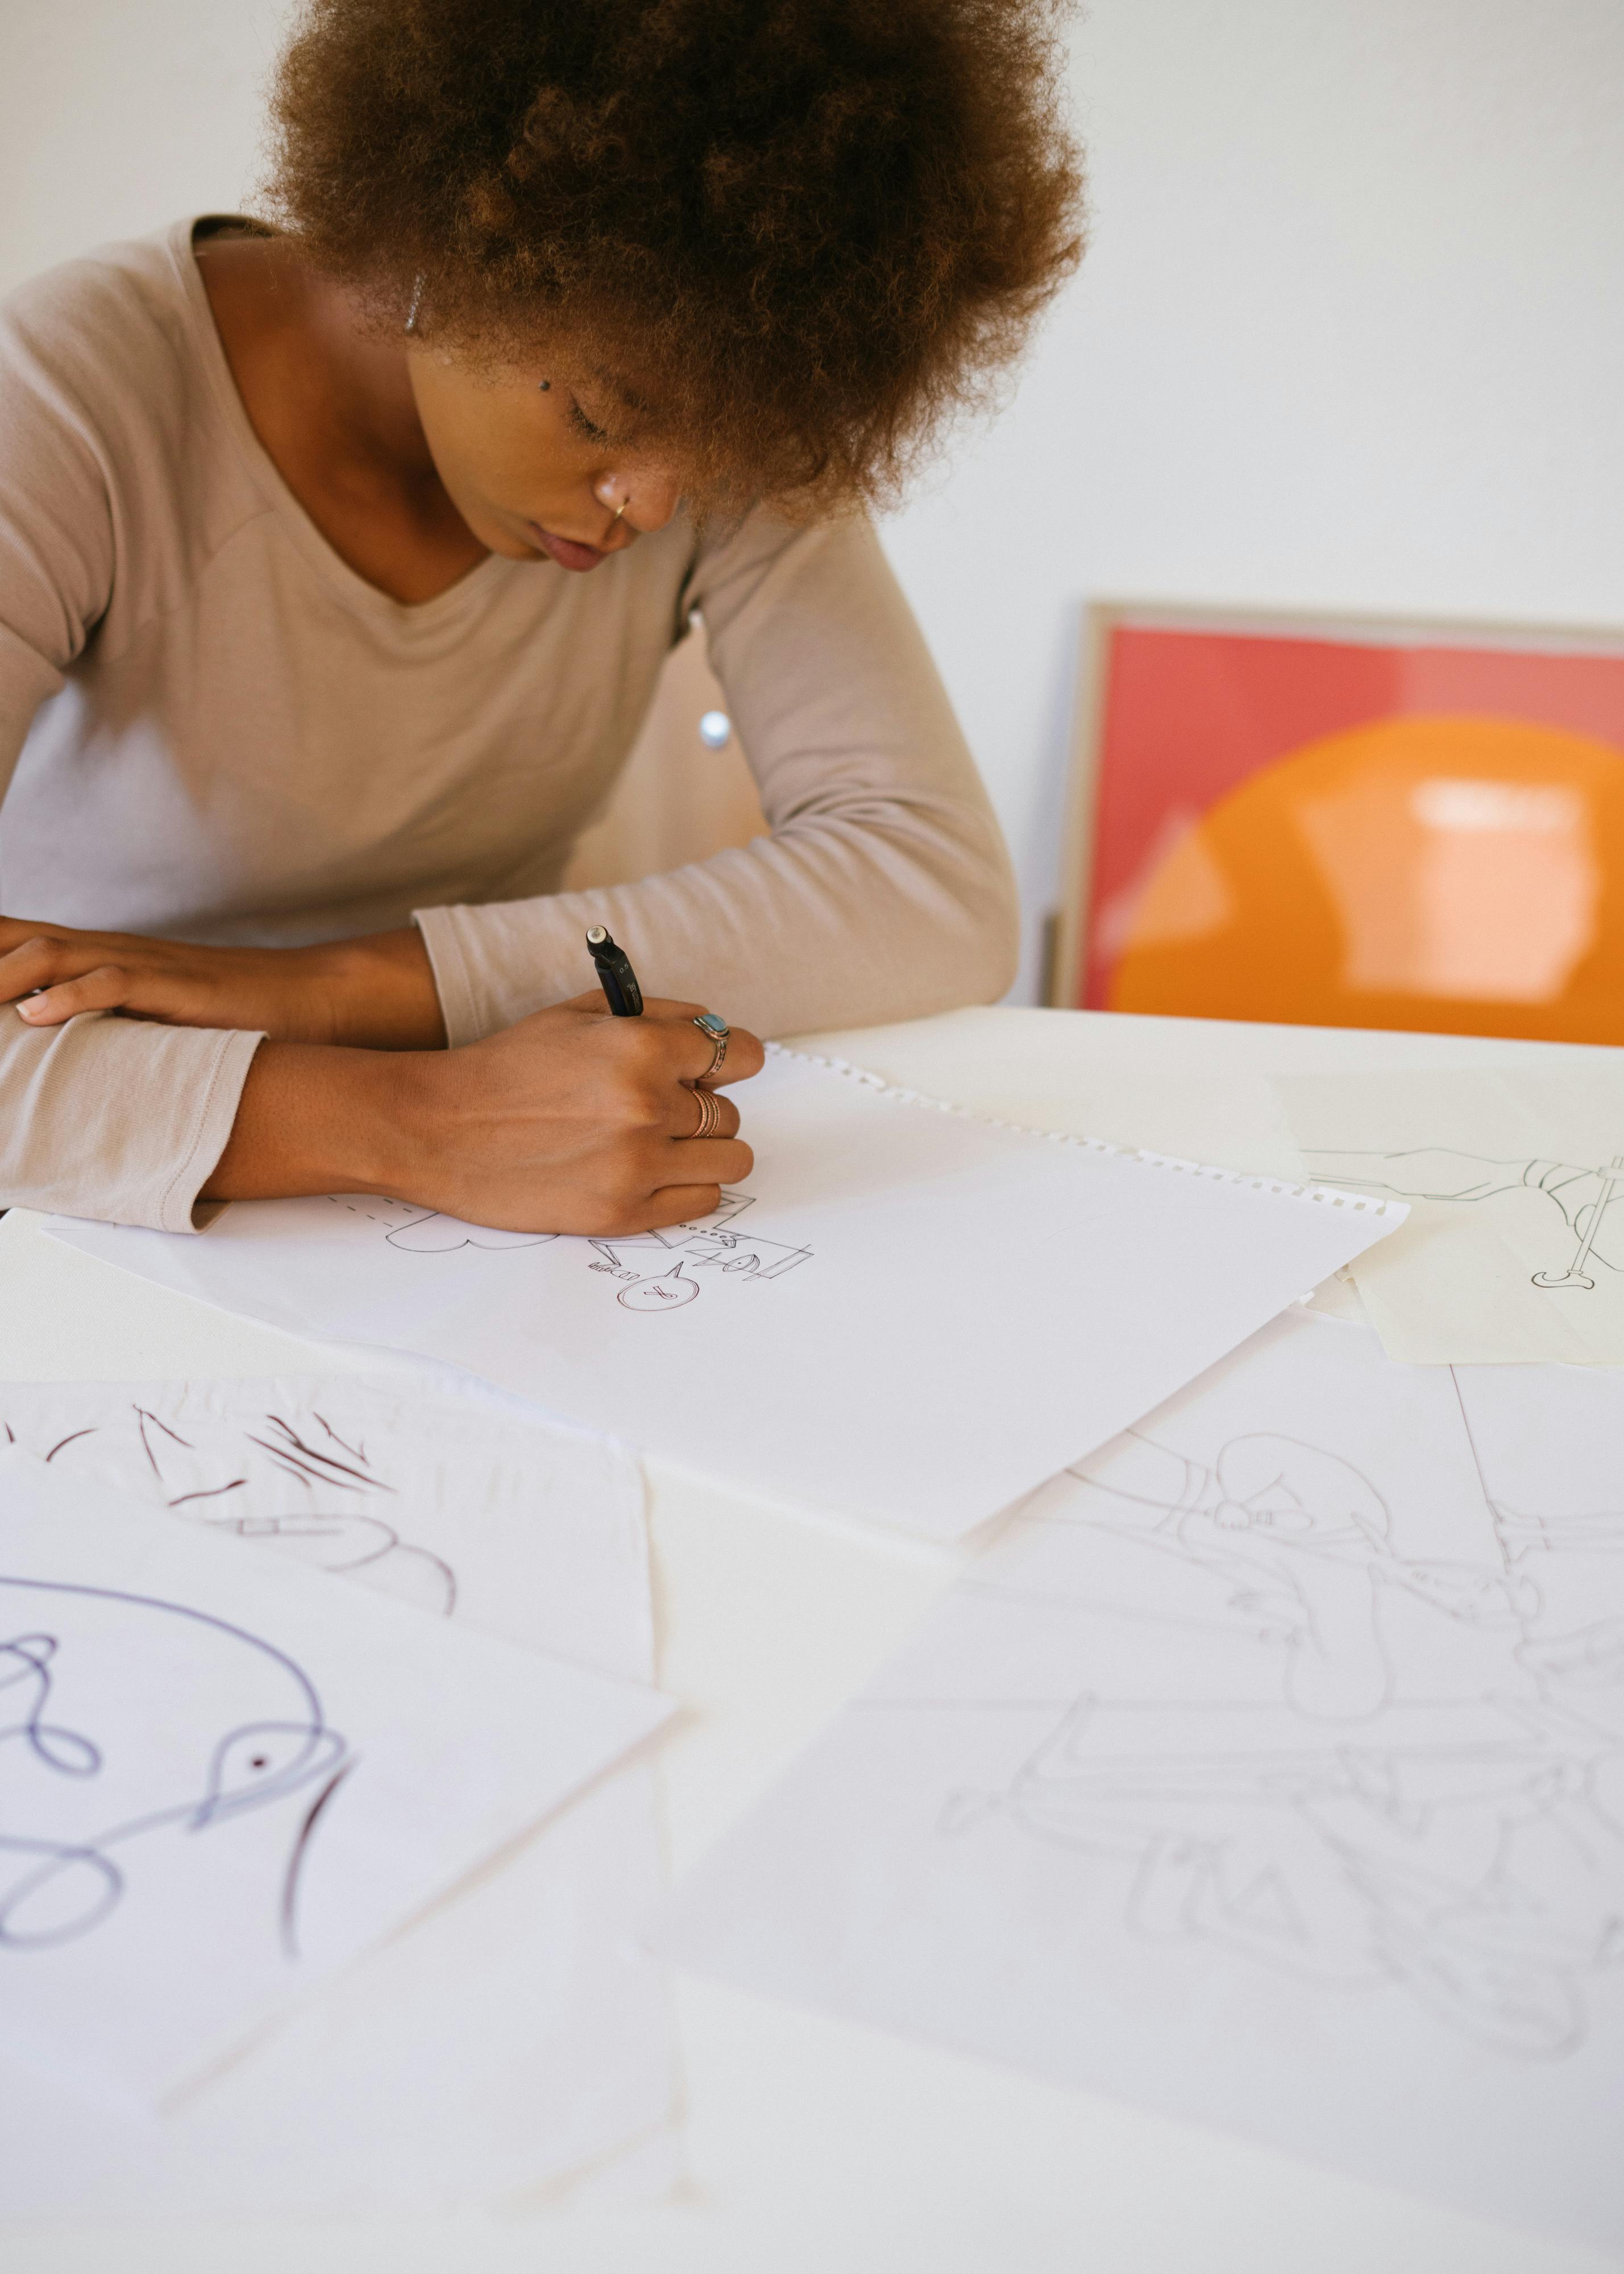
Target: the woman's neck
pixel 334 411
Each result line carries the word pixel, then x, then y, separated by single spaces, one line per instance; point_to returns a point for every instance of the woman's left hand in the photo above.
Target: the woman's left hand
pixel 377 993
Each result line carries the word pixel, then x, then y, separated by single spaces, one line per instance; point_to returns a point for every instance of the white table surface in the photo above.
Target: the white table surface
pixel 818 2146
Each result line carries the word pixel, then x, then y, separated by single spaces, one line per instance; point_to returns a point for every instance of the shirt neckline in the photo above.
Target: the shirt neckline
pixel 407 616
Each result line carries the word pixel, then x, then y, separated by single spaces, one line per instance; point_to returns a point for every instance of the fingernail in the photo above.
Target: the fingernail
pixel 29 1009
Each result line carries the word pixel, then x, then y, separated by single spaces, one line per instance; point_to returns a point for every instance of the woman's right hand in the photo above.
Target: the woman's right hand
pixel 570 1121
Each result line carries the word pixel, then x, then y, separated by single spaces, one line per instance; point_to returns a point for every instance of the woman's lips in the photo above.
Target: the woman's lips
pixel 564 551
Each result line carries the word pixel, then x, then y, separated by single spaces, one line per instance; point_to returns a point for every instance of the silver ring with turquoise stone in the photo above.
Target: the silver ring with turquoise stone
pixel 716 1030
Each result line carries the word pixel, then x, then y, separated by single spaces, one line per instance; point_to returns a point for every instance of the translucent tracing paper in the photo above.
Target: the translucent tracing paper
pixel 1515 1246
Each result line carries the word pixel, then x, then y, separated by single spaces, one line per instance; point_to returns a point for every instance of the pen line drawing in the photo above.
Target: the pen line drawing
pixel 70 1885
pixel 295 1860
pixel 716 1243
pixel 1590 1221
pixel 668 1290
pixel 63 1443
pixel 1368 1827
pixel 1581 1195
pixel 341 1525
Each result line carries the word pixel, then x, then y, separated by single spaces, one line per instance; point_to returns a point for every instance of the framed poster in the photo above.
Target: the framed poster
pixel 1340 822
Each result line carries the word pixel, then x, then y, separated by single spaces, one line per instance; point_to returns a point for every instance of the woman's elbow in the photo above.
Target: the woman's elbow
pixel 990 936
pixel 969 944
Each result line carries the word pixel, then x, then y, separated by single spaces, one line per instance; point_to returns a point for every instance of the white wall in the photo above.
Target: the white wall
pixel 117 116
pixel 1350 335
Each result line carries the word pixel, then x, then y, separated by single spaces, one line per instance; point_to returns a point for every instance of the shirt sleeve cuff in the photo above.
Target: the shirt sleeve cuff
pixel 222 1094
pixel 454 984
pixel 117 1119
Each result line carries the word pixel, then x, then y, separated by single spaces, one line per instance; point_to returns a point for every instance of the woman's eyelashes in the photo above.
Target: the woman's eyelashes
pixel 582 425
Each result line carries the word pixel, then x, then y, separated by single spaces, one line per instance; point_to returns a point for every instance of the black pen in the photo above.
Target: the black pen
pixel 615 970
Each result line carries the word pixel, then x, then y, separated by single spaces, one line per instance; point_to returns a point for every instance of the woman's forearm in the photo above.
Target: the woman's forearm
pixel 316 1119
pixel 376 993
pixel 382 992
pixel 573 1121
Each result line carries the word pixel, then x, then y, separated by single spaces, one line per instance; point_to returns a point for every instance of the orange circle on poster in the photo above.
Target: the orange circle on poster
pixel 1455 875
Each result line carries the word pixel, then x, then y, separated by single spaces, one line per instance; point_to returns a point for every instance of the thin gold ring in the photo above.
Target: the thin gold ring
pixel 621 508
pixel 709 1116
pixel 716 1030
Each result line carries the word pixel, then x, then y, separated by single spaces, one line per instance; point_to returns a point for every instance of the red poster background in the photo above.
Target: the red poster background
pixel 1189 714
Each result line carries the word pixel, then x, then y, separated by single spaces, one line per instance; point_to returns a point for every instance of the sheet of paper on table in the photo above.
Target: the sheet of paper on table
pixel 226 1777
pixel 1515 1246
pixel 1269 1772
pixel 508 2037
pixel 909 1315
pixel 471 1509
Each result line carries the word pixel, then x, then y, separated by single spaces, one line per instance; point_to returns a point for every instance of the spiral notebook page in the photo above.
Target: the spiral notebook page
pixel 909 1314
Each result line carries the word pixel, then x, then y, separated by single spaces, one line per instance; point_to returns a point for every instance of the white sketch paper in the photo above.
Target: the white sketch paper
pixel 506 2039
pixel 461 1507
pixel 222 1778
pixel 917 1316
pixel 1269 1771
pixel 550 2029
pixel 1514 1247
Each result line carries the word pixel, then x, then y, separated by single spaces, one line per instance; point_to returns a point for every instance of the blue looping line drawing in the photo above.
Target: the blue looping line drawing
pixel 66 1887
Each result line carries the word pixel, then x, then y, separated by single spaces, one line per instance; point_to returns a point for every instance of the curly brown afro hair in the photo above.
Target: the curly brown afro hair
pixel 814 230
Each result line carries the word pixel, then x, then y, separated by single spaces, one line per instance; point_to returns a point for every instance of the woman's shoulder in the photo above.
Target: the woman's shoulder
pixel 107 344
pixel 766 558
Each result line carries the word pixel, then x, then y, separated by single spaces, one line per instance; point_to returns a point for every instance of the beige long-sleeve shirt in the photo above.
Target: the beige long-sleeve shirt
pixel 211 728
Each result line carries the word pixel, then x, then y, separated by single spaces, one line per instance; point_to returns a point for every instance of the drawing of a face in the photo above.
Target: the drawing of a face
pixel 1273 1486
pixel 86 1689
pixel 669 1292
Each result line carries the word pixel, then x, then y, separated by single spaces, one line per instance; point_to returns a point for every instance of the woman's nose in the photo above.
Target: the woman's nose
pixel 648 497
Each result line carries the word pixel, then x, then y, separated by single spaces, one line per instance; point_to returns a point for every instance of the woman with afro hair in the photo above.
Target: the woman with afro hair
pixel 340 552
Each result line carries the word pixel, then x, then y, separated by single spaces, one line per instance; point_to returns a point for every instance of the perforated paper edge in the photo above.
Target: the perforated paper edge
pixel 1393 1211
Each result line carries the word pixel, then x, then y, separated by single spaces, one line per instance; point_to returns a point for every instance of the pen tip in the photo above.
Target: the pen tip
pixel 598 937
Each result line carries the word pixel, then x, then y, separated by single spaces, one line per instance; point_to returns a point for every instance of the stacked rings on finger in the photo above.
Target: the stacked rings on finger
pixel 710 1113
pixel 716 1030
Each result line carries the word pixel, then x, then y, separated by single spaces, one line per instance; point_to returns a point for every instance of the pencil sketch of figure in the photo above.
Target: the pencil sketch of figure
pixel 93 1685
pixel 1601 1533
pixel 1370 1829
pixel 1298 1540
pixel 299 1487
pixel 1588 1199
pixel 1581 1671
pixel 1473 1857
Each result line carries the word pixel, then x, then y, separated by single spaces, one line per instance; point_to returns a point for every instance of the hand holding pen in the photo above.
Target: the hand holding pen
pixel 569 1121
pixel 624 998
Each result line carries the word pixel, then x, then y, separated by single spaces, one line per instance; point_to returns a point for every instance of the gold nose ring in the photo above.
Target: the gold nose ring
pixel 621 508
